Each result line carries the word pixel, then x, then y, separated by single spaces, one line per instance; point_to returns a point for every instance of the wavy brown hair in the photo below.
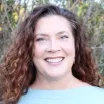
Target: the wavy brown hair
pixel 20 72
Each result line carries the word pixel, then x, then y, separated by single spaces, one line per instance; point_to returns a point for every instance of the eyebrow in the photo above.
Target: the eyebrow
pixel 61 32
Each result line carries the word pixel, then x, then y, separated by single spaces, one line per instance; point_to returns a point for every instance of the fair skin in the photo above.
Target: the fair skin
pixel 54 54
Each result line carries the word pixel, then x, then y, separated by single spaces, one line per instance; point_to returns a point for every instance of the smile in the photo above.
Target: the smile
pixel 54 60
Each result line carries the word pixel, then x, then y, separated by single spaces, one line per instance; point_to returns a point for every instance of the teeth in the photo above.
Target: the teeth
pixel 55 60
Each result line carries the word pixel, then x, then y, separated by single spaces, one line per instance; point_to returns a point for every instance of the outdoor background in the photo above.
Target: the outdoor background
pixel 12 12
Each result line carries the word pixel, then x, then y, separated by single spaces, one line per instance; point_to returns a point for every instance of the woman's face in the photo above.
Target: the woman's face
pixel 54 49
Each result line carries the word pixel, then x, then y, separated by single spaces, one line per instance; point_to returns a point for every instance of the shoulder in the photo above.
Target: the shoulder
pixel 96 89
pixel 93 91
pixel 92 95
pixel 25 99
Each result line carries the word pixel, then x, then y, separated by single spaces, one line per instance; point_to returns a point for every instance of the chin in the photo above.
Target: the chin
pixel 56 76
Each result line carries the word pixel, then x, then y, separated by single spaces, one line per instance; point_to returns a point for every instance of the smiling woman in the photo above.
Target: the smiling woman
pixel 50 62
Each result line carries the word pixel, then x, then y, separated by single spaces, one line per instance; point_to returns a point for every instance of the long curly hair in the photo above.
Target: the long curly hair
pixel 20 72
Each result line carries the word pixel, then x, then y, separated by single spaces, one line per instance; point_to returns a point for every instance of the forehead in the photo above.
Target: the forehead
pixel 52 24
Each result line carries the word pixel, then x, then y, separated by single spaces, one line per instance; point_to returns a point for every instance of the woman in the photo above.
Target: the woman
pixel 50 62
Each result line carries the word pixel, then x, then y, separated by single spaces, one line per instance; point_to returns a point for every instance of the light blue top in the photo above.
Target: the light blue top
pixel 81 95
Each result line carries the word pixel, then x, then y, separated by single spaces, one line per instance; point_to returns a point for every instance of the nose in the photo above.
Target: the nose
pixel 53 46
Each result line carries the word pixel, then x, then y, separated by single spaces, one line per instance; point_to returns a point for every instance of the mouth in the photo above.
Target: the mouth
pixel 54 60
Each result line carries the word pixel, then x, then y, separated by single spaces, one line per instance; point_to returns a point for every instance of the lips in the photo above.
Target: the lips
pixel 54 59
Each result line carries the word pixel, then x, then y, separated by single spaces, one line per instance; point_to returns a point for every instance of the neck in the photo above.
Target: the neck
pixel 64 83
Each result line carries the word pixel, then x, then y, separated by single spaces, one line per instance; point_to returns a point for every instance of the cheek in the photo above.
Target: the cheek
pixel 69 48
pixel 38 51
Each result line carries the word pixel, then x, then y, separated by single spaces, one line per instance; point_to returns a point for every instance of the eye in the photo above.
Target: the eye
pixel 40 39
pixel 64 37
